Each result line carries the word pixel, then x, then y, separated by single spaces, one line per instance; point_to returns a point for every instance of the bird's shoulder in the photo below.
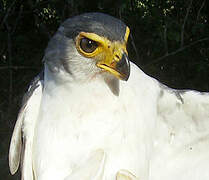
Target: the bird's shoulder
pixel 141 84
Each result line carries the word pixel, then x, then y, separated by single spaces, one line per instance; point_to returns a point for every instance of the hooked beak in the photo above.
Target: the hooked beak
pixel 123 67
pixel 120 68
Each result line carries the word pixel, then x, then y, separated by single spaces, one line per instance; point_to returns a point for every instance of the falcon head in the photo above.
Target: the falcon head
pixel 89 45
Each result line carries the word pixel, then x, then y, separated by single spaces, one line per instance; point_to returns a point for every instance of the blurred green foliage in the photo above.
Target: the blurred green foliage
pixel 170 41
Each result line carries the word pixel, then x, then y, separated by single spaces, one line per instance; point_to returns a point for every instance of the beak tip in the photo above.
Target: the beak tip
pixel 126 78
pixel 124 67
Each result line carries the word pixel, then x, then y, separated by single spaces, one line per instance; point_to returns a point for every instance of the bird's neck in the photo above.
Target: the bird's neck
pixel 59 79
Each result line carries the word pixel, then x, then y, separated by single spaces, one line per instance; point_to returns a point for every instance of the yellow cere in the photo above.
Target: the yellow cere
pixel 127 34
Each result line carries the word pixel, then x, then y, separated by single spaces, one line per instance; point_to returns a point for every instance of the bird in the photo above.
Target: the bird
pixel 93 114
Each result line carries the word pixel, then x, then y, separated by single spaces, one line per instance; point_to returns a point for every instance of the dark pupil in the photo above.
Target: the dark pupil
pixel 88 45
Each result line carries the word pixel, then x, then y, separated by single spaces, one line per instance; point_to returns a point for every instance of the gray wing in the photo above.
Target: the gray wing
pixel 182 134
pixel 22 137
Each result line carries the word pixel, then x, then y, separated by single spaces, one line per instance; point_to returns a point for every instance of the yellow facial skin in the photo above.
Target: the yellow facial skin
pixel 108 53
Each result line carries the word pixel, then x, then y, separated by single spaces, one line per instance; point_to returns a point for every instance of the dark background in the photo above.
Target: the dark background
pixel 170 41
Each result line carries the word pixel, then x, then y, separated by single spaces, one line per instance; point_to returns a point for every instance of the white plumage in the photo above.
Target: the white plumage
pixel 79 129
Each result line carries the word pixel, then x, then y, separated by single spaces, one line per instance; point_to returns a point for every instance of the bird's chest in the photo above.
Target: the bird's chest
pixel 71 128
pixel 82 117
pixel 84 124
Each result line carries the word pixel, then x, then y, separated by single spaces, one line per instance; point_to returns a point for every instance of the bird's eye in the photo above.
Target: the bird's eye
pixel 88 45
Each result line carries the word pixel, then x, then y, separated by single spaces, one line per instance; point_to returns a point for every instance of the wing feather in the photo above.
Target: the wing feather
pixel 22 137
pixel 185 110
pixel 182 135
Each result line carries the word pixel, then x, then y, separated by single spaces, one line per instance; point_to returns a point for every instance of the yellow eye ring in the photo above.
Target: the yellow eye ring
pixel 86 46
